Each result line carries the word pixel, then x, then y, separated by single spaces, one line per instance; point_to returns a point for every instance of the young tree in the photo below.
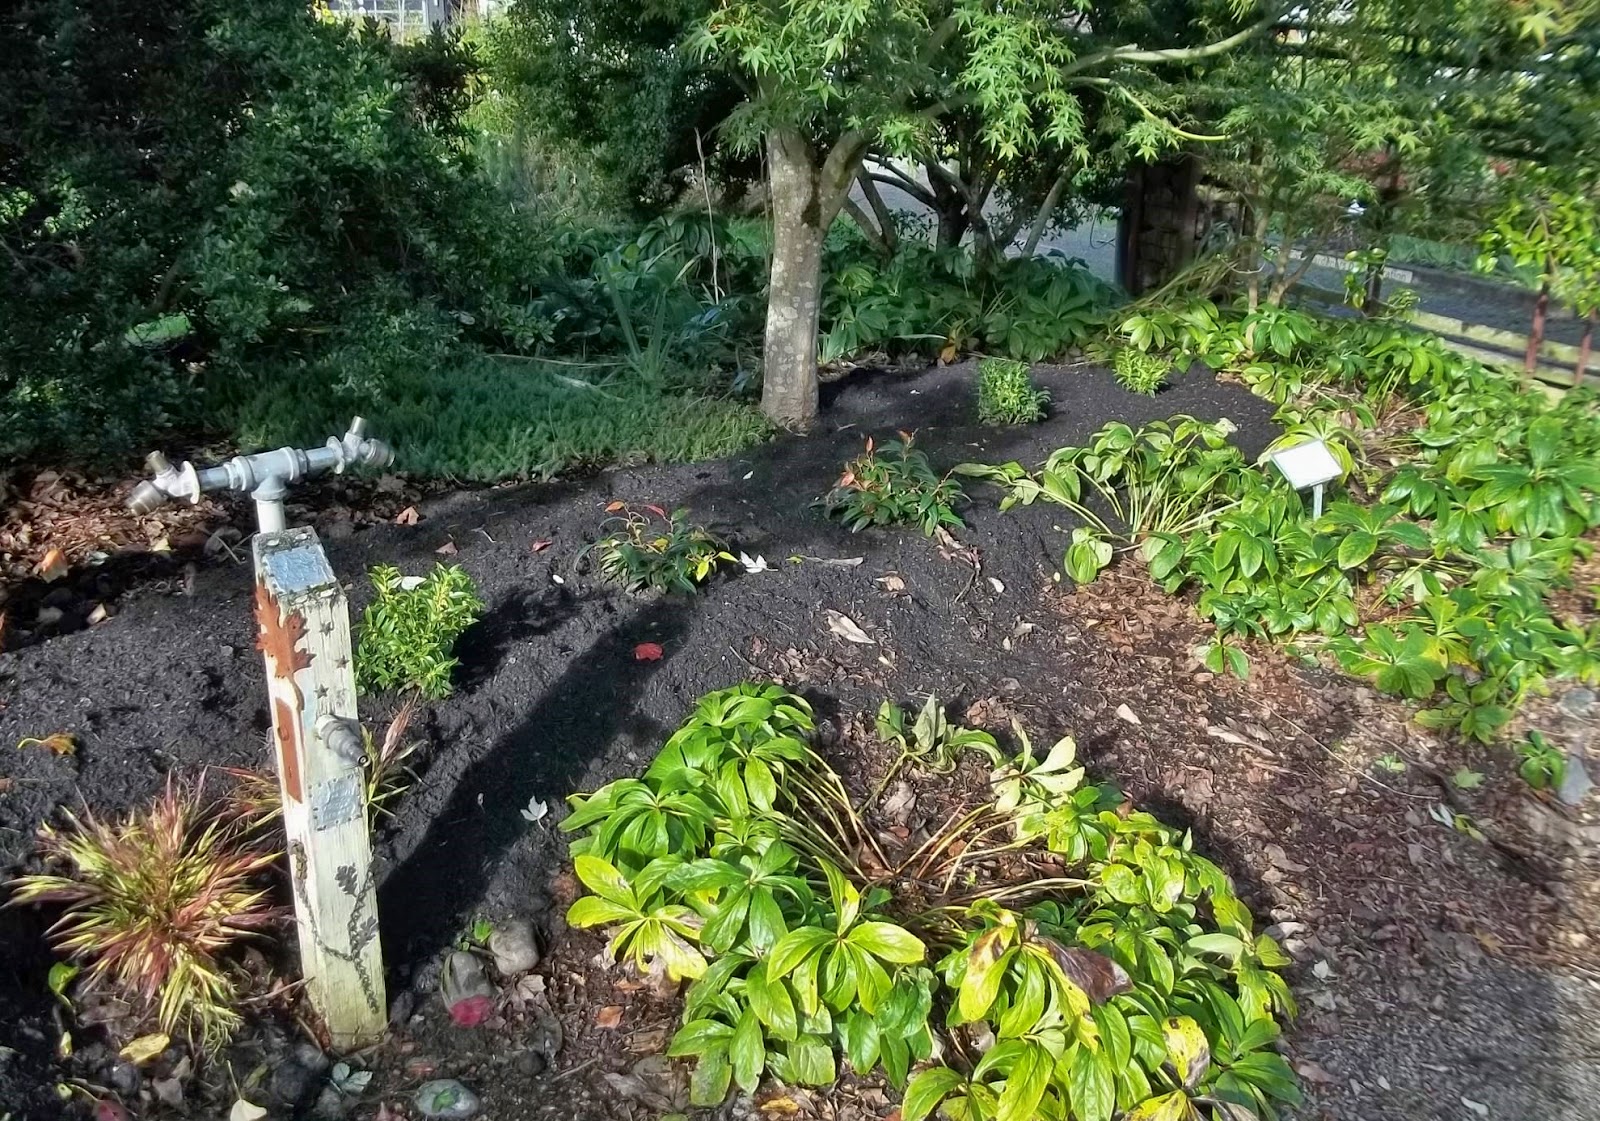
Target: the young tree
pixel 830 80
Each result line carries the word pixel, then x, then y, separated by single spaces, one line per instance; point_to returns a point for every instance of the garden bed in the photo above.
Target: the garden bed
pixel 1432 967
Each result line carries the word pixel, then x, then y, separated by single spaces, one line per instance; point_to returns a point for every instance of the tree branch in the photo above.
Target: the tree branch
pixel 1132 52
pixel 865 223
pixel 880 210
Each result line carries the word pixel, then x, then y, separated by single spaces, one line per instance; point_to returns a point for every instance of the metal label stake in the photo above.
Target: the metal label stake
pixel 303 632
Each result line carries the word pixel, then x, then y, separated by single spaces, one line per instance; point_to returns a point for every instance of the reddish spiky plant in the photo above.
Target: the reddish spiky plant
pixel 152 901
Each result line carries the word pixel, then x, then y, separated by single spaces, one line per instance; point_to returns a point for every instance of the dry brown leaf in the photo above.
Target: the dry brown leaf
pixel 448 549
pixel 61 743
pixel 613 507
pixel 608 1017
pixel 891 583
pixel 781 1106
pixel 408 516
pixel 53 567
pixel 99 615
pixel 848 629
pixel 540 545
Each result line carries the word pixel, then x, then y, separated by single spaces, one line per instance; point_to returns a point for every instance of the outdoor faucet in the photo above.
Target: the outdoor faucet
pixel 264 476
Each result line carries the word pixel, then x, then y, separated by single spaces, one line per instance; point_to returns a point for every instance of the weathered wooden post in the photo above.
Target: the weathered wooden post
pixel 303 627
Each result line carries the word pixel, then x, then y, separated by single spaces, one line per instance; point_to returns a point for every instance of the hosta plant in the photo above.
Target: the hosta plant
pixel 1006 393
pixel 151 905
pixel 647 548
pixel 410 628
pixel 1044 953
pixel 893 484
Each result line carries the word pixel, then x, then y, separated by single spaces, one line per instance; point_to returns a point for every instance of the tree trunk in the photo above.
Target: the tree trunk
pixel 1041 220
pixel 1541 310
pixel 1585 348
pixel 794 294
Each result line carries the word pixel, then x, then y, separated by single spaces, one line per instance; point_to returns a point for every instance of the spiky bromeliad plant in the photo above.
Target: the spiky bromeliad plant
pixel 1086 962
pixel 152 903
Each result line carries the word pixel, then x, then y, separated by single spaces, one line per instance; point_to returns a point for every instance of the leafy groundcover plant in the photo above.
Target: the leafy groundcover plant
pixel 893 484
pixel 1043 955
pixel 648 548
pixel 152 904
pixel 410 627
pixel 1006 393
pixel 1140 372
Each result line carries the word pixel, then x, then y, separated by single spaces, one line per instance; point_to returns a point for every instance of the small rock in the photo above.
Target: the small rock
pixel 514 948
pixel 446 1098
pixel 331 1105
pixel 125 1079
pixel 1575 783
pixel 1579 702
pixel 291 1082
pixel 401 1007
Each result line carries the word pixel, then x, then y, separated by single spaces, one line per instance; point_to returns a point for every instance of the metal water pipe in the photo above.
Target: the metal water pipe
pixel 265 476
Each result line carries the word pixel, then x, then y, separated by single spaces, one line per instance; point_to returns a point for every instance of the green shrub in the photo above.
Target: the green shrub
pixel 1132 983
pixel 410 627
pixel 931 301
pixel 648 548
pixel 485 419
pixel 1006 393
pixel 1140 372
pixel 893 485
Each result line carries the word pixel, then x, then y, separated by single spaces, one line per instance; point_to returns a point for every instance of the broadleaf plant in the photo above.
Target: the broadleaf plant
pixel 1127 981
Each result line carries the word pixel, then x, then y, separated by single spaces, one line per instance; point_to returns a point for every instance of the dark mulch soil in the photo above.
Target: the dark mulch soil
pixel 1432 967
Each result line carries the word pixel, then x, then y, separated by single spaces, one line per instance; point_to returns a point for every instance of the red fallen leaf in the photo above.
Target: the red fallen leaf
pixel 541 545
pixel 408 516
pixel 656 510
pixel 108 1110
pixel 608 1017
pixel 613 507
pixel 471 1012
pixel 648 652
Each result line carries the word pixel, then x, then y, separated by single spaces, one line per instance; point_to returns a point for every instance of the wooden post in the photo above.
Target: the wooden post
pixel 304 635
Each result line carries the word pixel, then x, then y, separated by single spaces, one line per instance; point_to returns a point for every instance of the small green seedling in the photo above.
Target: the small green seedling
pixel 1543 766
pixel 1006 393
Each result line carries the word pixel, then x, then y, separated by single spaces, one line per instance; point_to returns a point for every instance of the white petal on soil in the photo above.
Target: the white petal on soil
pixel 1126 713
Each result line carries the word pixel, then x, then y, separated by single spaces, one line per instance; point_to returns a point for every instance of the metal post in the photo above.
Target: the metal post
pixel 1316 502
pixel 304 636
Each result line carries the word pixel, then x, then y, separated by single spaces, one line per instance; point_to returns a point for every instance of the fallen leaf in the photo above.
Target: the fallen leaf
pixel 145 1048
pixel 540 545
pixel 1126 713
pixel 61 743
pixel 899 802
pixel 1322 971
pixel 168 1090
pixel 245 1111
pixel 838 562
pixel 1467 780
pixel 161 545
pixel 753 564
pixel 1477 1107
pixel 448 549
pixel 535 811
pixel 6 784
pixel 998 585
pixel 613 507
pixel 1280 859
pixel 781 1106
pixel 1311 1072
pixel 648 652
pixel 408 516
pixel 1226 736
pixel 891 583
pixel 53 567
pixel 99 615
pixel 848 629
pixel 656 510
pixel 608 1017
pixel 108 1110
